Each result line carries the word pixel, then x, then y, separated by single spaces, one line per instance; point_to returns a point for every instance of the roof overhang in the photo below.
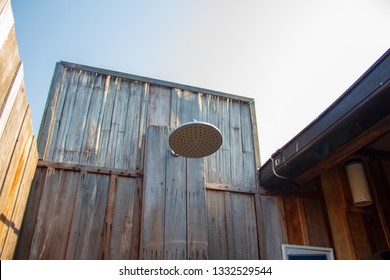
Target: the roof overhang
pixel 360 115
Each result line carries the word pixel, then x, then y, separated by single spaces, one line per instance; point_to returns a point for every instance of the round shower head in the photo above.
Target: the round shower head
pixel 195 139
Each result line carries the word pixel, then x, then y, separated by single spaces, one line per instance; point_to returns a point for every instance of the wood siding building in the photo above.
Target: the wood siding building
pixel 108 187
pixel 308 189
pixel 18 149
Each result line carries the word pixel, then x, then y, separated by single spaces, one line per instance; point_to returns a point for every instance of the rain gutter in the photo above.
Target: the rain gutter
pixel 363 105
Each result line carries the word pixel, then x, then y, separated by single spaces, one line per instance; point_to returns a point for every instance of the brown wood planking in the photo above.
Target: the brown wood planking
pixel 332 189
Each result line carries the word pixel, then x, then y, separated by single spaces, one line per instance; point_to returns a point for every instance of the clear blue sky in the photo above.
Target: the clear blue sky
pixel 294 57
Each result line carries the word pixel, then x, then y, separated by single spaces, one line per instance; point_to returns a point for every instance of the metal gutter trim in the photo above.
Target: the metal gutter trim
pixel 367 90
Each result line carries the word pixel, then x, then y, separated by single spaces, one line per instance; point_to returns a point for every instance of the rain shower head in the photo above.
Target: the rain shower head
pixel 195 139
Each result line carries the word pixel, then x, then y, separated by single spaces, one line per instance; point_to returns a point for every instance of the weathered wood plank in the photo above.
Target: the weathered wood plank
pixel 175 237
pixel 22 183
pixel 159 106
pixel 13 130
pixel 123 223
pixel 274 228
pixel 16 86
pixel 249 161
pixel 90 168
pixel 196 211
pixel 153 213
pixel 6 21
pixel 58 226
pixel 88 217
pixel 52 115
pixel 230 188
pixel 9 64
pixel 134 127
pixel 27 231
pixel 92 130
pixel 78 117
pixel 140 147
pixel 13 178
pixel 119 120
pixel 216 226
pixel 245 244
pixel 59 149
pixel 44 214
pixel 107 111
pixel 108 220
pixel 236 160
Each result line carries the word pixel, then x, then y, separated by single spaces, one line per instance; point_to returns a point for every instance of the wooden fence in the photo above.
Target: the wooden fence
pixel 18 150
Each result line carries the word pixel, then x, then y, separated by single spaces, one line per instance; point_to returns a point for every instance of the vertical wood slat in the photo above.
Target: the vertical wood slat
pixel 33 203
pixel 196 211
pixel 14 197
pixel 274 227
pixel 8 141
pixel 18 148
pixel 123 243
pixel 332 189
pixel 87 223
pixel 152 232
pixel 9 64
pixel 296 221
pixel 6 21
pixel 233 225
pixel 175 237
pixel 216 225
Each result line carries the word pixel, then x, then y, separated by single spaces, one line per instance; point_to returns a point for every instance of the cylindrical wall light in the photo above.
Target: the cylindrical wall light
pixel 358 184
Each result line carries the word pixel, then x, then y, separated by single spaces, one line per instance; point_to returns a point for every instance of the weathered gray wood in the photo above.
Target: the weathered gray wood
pixel 134 128
pixel 91 133
pixel 108 104
pixel 90 168
pixel 249 161
pixel 236 160
pixel 196 211
pixel 88 217
pixel 216 225
pixel 65 124
pixel 175 237
pixel 152 232
pixel 273 226
pixel 244 227
pixel 52 115
pixel 155 81
pixel 46 206
pixel 159 106
pixel 24 244
pixel 123 222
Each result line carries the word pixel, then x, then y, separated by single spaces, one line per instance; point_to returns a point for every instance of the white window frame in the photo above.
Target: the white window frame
pixel 290 249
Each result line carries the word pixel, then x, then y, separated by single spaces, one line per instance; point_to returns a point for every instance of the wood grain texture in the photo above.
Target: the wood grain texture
pixel 335 203
pixel 153 212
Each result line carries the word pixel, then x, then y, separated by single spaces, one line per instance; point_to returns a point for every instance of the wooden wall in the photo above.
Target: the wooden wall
pixel 108 186
pixel 321 213
pixel 18 148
